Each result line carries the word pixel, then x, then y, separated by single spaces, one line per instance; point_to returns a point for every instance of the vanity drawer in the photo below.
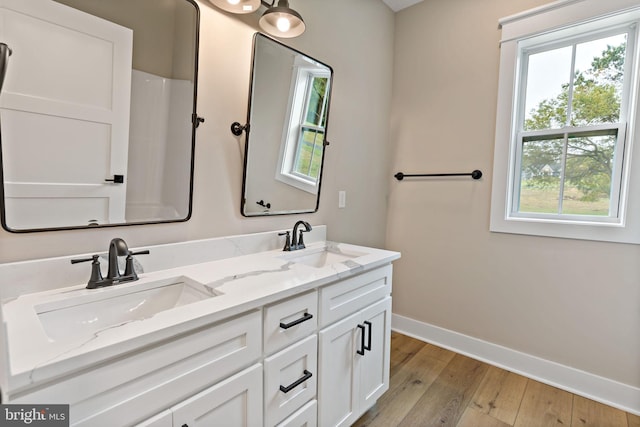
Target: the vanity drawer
pixel 236 401
pixel 290 380
pixel 131 389
pixel 350 295
pixel 163 419
pixel 307 416
pixel 288 321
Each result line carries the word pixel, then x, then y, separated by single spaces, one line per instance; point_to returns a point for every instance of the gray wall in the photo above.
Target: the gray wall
pixel 568 301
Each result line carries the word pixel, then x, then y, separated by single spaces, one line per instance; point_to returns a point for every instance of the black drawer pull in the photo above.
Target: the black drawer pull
pixel 117 179
pixel 299 381
pixel 307 316
pixel 362 347
pixel 368 346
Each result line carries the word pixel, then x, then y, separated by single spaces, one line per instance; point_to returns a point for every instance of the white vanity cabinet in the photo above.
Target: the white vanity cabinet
pixel 354 351
pixel 283 347
pixel 325 362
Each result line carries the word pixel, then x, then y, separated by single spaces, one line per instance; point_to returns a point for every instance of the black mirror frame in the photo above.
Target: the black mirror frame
pixel 195 123
pixel 235 129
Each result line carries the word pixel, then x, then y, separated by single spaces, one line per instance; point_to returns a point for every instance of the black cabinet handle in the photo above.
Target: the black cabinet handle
pixel 362 347
pixel 117 179
pixel 368 346
pixel 299 381
pixel 307 316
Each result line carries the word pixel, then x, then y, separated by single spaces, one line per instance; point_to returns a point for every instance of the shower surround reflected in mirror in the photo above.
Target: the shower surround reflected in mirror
pixel 286 137
pixel 97 112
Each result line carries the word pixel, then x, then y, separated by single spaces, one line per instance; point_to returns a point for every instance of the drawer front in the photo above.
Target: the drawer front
pixel 132 389
pixel 350 295
pixel 164 419
pixel 290 379
pixel 289 321
pixel 236 401
pixel 307 416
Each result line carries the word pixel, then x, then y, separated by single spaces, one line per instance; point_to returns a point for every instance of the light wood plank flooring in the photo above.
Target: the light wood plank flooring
pixel 431 386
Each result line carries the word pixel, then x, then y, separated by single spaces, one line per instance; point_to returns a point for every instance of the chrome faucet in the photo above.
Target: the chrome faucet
pixel 117 248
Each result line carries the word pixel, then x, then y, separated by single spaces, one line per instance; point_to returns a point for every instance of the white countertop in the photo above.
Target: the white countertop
pixel 245 282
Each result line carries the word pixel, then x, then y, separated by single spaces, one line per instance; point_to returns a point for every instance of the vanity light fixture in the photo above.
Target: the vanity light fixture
pixel 278 21
pixel 282 21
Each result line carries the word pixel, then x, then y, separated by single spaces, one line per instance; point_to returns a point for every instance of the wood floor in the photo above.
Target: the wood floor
pixel 431 386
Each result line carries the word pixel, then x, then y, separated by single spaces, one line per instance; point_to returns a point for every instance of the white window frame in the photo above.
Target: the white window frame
pixel 564 18
pixel 298 99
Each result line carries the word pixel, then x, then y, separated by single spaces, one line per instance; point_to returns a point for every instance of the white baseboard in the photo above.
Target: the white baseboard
pixel 609 392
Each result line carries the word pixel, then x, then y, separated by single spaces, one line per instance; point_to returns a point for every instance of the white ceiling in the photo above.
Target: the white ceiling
pixel 397 5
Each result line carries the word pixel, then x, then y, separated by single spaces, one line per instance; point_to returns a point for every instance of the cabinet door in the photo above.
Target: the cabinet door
pixel 338 373
pixel 236 401
pixel 374 365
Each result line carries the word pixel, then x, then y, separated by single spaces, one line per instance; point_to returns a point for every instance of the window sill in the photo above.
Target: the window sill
pixel 298 183
pixel 596 231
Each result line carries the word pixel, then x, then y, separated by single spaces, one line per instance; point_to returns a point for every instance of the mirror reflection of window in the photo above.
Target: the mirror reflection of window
pixel 288 112
pixel 304 135
pixel 311 140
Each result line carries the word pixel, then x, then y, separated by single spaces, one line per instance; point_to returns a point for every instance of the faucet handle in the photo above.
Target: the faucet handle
pixel 145 252
pixel 96 274
pixel 79 260
pixel 287 242
pixel 129 270
pixel 301 240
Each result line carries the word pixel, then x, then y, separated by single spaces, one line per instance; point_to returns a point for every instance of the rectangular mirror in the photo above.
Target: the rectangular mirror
pixel 97 112
pixel 286 137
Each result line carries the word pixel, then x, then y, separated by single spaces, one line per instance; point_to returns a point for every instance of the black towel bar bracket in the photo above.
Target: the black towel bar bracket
pixel 476 174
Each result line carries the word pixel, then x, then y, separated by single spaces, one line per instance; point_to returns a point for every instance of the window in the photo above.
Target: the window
pixel 565 124
pixel 570 133
pixel 304 139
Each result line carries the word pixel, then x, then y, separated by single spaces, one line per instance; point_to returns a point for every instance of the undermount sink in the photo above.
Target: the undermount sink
pixel 86 315
pixel 321 257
